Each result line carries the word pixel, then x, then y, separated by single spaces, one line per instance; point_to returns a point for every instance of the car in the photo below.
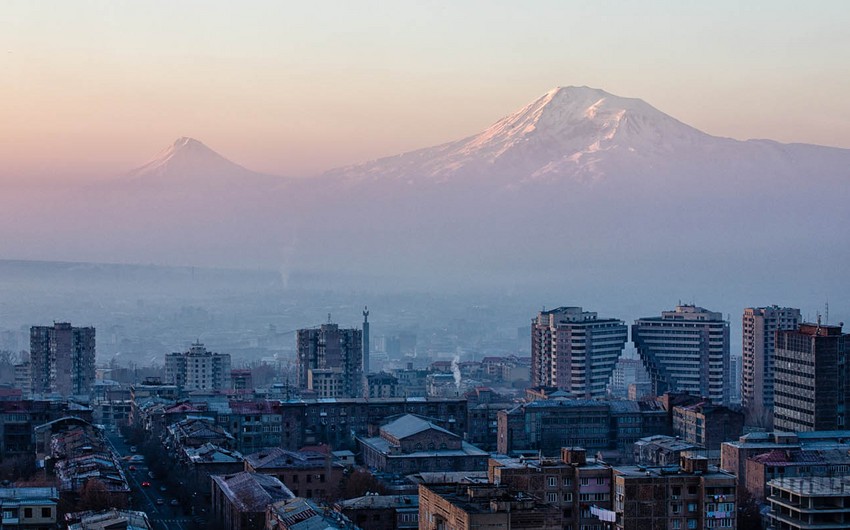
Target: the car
pixel 146 484
pixel 132 468
pixel 133 449
pixel 162 488
pixel 160 502
pixel 150 474
pixel 174 502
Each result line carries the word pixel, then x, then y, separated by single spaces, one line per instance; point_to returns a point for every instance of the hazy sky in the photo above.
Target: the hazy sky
pixel 299 87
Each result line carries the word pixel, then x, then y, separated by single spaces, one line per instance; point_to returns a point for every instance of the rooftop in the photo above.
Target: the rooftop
pixel 380 501
pixel 252 492
pixel 408 425
pixel 814 486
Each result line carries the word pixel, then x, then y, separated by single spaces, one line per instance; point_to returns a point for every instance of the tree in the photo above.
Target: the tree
pixel 359 483
pixel 94 495
pixel 749 514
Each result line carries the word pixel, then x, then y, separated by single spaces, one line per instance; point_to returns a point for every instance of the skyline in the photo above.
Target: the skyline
pixel 296 90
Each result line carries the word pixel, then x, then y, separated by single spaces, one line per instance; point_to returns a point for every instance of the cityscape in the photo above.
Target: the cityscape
pixel 424 265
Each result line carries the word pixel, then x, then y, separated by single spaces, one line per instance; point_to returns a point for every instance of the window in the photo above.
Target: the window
pixel 28 513
pixel 553 481
pixel 692 523
pixel 600 480
pixel 677 524
pixel 692 506
pixel 45 512
pixel 552 496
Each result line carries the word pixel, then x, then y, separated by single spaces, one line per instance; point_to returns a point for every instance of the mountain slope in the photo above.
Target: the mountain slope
pixel 578 134
pixel 189 162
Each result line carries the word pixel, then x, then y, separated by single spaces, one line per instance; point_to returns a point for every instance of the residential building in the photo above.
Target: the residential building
pixel 811 379
pixel 689 496
pixel 570 483
pixel 474 506
pixel 308 474
pixel 198 369
pixel 241 379
pixel 548 425
pixel 62 359
pixel 686 350
pixel 763 468
pixel 23 379
pixel 382 512
pixel 707 425
pixel 330 348
pixel 112 519
pixel 382 385
pixel 759 326
pixel 239 501
pixel 304 514
pixel 576 351
pixel 412 443
pixel 807 503
pixel 29 508
pixel 627 372
pixel 662 451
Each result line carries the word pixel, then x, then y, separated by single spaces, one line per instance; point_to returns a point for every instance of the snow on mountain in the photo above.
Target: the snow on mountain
pixel 189 161
pixel 576 134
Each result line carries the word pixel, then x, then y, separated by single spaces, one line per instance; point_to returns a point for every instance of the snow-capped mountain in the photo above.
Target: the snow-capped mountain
pixel 189 162
pixel 580 134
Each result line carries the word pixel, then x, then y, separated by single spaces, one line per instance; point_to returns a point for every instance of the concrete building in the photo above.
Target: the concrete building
pixel 412 443
pixel 549 425
pixel 662 451
pixel 308 474
pixel 707 425
pixel 808 503
pixel 304 514
pixel 112 519
pixel 763 468
pixel 198 369
pixel 241 379
pixel 382 385
pixel 811 387
pixel 570 483
pixel 759 327
pixel 475 506
pixel 627 372
pixel 330 348
pixel 382 512
pixel 29 508
pixel 239 501
pixel 62 359
pixel 686 350
pixel 23 379
pixel 575 350
pixel 689 496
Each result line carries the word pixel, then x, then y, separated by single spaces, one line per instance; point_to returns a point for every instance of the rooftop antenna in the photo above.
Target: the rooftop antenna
pixel 826 312
pixel 329 318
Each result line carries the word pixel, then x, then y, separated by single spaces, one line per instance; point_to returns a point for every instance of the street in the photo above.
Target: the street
pixel 162 516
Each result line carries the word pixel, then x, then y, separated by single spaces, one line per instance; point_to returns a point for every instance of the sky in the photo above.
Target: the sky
pixel 94 89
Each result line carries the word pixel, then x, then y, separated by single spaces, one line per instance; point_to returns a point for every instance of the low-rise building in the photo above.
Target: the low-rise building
pixel 382 512
pixel 304 514
pixel 28 508
pixel 474 506
pixel 108 520
pixel 240 500
pixel 778 463
pixel 308 474
pixel 707 425
pixel 412 443
pixel 661 450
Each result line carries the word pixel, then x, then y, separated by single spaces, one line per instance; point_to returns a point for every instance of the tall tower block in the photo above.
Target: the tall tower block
pixel 366 341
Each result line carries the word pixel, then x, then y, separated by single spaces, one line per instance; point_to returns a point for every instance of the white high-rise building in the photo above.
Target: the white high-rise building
pixel 686 350
pixel 576 351
pixel 198 369
pixel 759 326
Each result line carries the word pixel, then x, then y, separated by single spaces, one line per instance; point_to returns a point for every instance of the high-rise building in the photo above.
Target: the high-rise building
pixel 811 390
pixel 686 350
pixel 198 369
pixel 328 348
pixel 627 372
pixel 62 359
pixel 366 352
pixel 759 326
pixel 576 351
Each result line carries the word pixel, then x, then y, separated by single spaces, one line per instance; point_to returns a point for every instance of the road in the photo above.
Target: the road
pixel 162 517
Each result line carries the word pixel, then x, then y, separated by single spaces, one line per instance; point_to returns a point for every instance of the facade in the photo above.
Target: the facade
pixel 662 451
pixel 759 326
pixel 570 484
pixel 198 369
pixel 707 425
pixel 411 443
pixel 241 379
pixel 576 351
pixel 763 468
pixel 812 502
pixel 811 387
pixel 382 512
pixel 549 425
pixel 23 379
pixel 29 508
pixel 308 474
pixel 627 372
pixel 686 350
pixel 62 359
pixel 330 348
pixel 689 496
pixel 474 506
pixel 239 501
pixel 382 385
